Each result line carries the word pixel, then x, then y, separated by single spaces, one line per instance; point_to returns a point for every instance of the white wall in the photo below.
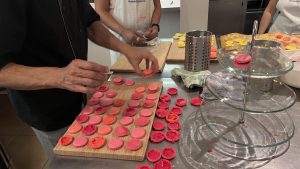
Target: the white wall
pixel 193 15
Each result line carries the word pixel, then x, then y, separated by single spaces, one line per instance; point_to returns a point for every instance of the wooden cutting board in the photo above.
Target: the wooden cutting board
pixel 160 52
pixel 125 93
pixel 177 54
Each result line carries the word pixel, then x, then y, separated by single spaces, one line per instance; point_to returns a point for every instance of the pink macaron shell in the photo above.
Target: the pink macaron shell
pixel 98 94
pixel 111 94
pixel 138 133
pixel 151 97
pixel 87 110
pixel 141 121
pixel 74 128
pixel 129 82
pixel 125 121
pixel 106 102
pixel 121 131
pixel 115 143
pixel 146 112
pixel 80 141
pixel 133 144
pixel 95 120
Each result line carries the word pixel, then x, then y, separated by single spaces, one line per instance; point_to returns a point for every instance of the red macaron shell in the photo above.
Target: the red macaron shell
pixel 168 153
pixel 138 133
pixel 80 141
pixel 151 97
pixel 98 95
pixel 95 120
pixel 103 88
pixel 172 91
pixel 66 140
pixel 129 112
pixel 172 136
pixel 109 120
pixel 118 102
pixel 163 164
pixel 146 112
pixel 159 125
pixel 89 129
pixel 140 90
pixel 143 166
pixel 104 129
pixel 111 94
pixel 74 128
pixel 181 102
pixel 100 110
pixel 115 143
pixel 165 97
pixel 134 104
pixel 157 136
pixel 196 101
pixel 106 102
pixel 174 125
pixel 153 155
pixel 125 121
pixel 161 113
pixel 136 96
pixel 82 118
pixel 141 121
pixel 149 103
pixel 242 58
pixel 163 105
pixel 133 144
pixel 241 65
pixel 129 82
pixel 172 117
pixel 113 111
pixel 121 131
pixel 87 110
pixel 97 142
pixel 176 110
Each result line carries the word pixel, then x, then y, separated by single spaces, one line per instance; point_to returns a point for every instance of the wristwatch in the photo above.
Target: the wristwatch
pixel 157 25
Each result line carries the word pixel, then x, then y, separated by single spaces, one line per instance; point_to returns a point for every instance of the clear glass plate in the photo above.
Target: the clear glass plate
pixel 197 139
pixel 259 130
pixel 263 95
pixel 265 63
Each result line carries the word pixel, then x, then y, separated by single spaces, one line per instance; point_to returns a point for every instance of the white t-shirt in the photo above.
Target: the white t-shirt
pixel 134 15
pixel 289 19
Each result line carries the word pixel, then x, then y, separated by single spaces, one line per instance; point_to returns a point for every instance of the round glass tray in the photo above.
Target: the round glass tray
pixel 258 130
pixel 200 148
pixel 263 95
pixel 264 64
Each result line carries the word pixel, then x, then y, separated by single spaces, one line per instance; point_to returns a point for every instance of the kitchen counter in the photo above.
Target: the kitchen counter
pixel 289 160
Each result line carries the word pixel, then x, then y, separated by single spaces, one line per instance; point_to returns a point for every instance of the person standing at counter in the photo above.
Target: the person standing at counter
pixel 43 61
pixel 288 20
pixel 130 20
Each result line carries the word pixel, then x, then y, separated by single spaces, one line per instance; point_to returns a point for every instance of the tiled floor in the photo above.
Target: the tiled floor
pixel 19 141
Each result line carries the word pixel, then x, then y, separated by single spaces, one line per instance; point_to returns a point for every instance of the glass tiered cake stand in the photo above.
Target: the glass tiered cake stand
pixel 248 124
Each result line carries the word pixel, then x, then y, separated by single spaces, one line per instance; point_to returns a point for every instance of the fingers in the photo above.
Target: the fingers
pixel 83 76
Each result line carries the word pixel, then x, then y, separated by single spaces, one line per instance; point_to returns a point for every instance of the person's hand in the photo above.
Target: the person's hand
pixel 130 36
pixel 82 76
pixel 137 55
pixel 152 33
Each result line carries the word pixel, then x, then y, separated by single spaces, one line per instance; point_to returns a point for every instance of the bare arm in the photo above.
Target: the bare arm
pixel 101 36
pixel 78 76
pixel 152 32
pixel 267 16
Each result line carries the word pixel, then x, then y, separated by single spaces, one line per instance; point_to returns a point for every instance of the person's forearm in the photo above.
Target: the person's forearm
pixel 101 36
pixel 156 14
pixel 102 8
pixel 21 77
pixel 264 23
